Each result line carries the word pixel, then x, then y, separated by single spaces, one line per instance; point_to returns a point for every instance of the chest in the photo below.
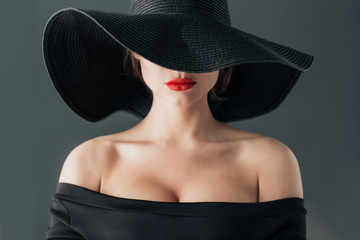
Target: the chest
pixel 174 175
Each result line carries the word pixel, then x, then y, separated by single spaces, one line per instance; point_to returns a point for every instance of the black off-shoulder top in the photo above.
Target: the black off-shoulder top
pixel 80 213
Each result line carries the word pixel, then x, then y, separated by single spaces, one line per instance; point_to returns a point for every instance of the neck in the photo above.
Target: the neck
pixel 179 123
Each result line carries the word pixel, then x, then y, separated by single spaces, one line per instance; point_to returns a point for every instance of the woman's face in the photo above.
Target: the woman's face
pixel 155 77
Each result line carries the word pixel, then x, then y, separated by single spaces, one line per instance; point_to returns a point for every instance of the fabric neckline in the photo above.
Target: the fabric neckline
pixel 82 195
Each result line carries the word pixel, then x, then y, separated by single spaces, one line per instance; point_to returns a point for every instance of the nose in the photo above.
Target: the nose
pixel 183 75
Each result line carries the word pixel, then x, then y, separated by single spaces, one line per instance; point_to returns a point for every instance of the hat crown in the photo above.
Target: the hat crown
pixel 216 9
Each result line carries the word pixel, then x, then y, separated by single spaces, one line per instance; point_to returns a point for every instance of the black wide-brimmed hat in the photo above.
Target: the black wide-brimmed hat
pixel 84 53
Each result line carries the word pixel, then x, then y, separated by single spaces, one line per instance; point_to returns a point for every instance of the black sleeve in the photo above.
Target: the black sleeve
pixel 60 228
pixel 294 229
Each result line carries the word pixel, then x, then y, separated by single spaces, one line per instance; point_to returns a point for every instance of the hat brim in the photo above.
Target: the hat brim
pixel 83 52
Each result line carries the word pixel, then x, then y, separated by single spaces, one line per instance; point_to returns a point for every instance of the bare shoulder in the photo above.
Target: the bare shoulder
pixel 85 164
pixel 278 169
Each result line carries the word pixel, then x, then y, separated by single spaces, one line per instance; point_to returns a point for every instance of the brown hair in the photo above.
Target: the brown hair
pixel 213 95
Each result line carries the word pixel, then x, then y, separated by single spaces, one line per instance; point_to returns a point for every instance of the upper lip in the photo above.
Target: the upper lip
pixel 181 80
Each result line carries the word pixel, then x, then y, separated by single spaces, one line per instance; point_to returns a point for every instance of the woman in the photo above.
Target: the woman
pixel 181 173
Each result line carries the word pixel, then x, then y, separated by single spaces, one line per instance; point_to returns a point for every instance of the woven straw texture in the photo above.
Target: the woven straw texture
pixel 84 51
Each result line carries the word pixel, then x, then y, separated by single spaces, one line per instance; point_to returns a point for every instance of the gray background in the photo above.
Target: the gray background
pixel 319 120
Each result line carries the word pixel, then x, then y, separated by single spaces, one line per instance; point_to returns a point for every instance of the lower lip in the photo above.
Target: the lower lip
pixel 180 86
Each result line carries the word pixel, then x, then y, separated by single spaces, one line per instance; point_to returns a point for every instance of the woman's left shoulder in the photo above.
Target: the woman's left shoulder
pixel 278 169
pixel 270 145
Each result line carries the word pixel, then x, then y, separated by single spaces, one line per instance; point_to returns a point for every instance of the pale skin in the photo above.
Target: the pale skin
pixel 180 153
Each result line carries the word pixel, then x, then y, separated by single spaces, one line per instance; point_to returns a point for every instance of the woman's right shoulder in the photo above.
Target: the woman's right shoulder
pixel 86 163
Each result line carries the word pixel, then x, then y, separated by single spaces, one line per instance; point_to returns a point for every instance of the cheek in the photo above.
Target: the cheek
pixel 153 76
pixel 210 80
pixel 205 85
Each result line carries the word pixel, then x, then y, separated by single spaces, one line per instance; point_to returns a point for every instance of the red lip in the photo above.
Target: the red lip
pixel 180 84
